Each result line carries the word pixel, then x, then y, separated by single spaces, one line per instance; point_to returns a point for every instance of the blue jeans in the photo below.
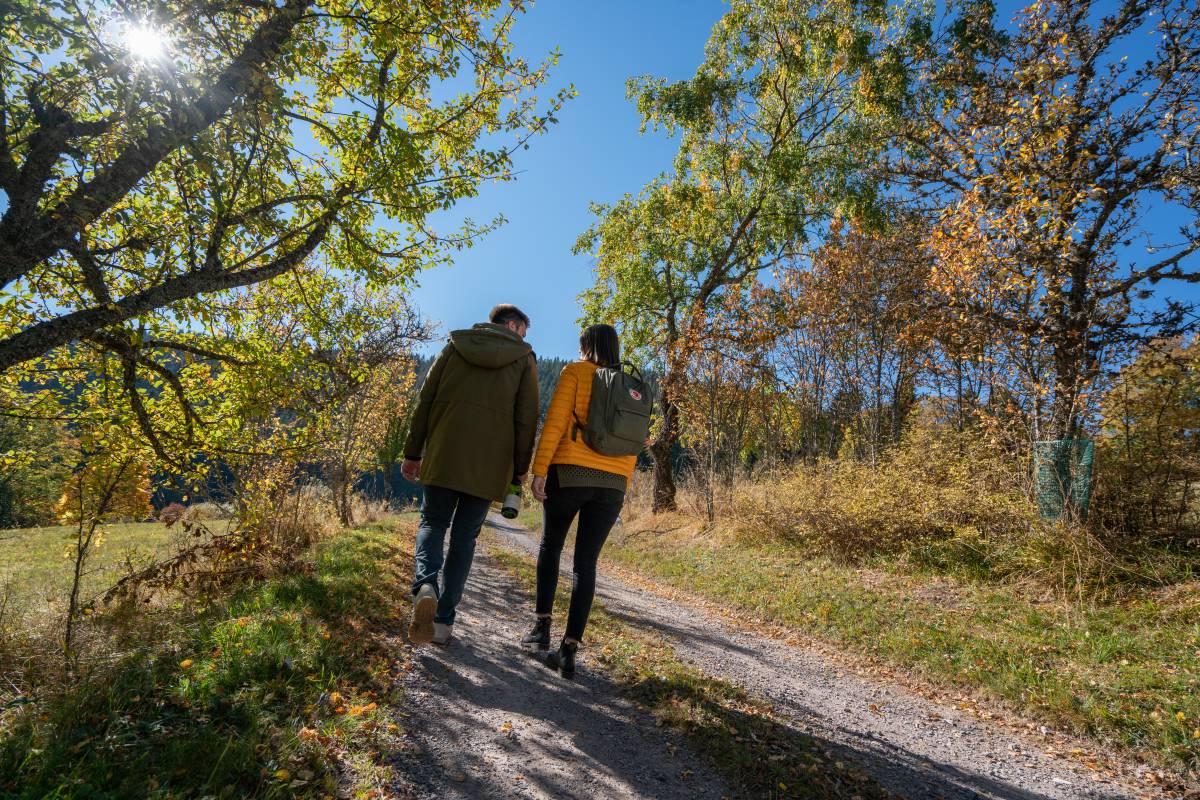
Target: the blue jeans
pixel 463 515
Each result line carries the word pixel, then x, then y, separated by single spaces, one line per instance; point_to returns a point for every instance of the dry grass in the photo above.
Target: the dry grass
pixel 1124 670
pixel 936 485
pixel 365 510
pixel 298 520
pixel 38 574
pixel 942 502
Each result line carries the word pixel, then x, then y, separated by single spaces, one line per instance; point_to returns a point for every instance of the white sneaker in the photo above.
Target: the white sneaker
pixel 442 633
pixel 420 630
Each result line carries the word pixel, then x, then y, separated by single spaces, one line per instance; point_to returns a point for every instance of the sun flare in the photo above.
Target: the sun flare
pixel 145 42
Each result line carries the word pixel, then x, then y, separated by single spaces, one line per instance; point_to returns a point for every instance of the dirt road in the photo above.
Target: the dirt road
pixel 488 721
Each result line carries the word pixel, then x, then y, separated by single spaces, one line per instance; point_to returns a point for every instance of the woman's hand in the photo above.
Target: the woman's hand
pixel 539 488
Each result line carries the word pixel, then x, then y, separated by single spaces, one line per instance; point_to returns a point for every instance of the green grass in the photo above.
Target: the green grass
pixel 739 735
pixel 265 693
pixel 35 570
pixel 531 516
pixel 1128 672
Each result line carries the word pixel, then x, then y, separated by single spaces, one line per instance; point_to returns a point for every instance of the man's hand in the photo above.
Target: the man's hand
pixel 539 488
pixel 411 470
pixel 519 480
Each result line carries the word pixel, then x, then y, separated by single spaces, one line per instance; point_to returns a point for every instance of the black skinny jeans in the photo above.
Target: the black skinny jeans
pixel 597 509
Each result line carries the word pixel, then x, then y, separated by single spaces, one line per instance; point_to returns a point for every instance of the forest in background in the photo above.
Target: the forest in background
pixel 909 262
pixel 920 278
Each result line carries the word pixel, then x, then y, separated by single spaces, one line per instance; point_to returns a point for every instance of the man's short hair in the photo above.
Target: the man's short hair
pixel 506 313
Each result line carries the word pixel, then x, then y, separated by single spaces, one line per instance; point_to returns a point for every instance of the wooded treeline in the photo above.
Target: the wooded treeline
pixel 879 209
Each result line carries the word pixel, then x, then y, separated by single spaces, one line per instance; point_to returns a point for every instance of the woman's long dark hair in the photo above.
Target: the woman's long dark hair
pixel 600 345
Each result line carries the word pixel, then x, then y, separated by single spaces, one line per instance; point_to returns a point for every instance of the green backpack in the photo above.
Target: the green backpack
pixel 619 416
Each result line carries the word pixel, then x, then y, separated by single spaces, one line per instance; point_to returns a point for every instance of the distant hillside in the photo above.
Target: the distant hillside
pixel 548 371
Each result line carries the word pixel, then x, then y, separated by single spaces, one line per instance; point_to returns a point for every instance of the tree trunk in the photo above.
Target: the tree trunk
pixel 710 480
pixel 1065 414
pixel 341 495
pixel 661 449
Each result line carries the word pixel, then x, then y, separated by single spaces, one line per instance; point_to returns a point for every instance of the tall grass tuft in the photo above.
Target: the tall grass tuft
pixel 951 502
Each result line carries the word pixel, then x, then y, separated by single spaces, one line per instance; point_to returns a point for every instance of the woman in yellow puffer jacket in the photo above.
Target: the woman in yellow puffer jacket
pixel 570 479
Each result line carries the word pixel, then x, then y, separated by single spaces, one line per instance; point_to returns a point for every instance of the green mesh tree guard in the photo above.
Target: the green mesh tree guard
pixel 1063 476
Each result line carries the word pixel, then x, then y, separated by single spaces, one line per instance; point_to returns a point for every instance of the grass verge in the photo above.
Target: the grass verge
pixel 738 734
pixel 35 576
pixel 1126 672
pixel 272 691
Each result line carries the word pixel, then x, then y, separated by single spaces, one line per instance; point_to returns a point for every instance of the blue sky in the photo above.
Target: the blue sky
pixel 594 153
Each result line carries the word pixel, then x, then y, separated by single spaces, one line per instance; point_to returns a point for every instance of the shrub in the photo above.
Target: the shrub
pixel 366 510
pixel 299 519
pixel 937 484
pixel 953 503
pixel 171 513
pixel 1148 451
pixel 199 512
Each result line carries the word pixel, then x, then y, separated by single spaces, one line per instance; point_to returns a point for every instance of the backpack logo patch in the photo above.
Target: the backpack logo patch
pixel 635 394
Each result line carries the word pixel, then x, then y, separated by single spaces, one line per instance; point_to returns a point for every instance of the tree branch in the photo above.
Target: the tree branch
pixel 39 339
pixel 26 241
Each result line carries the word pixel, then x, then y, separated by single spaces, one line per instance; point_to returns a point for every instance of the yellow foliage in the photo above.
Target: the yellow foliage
pixel 937 484
pixel 110 491
pixel 1149 451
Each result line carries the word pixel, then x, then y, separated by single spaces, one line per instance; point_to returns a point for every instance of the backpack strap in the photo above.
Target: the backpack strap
pixel 634 371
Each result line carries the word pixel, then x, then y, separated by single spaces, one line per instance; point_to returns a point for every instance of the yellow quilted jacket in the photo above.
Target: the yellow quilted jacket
pixel 572 398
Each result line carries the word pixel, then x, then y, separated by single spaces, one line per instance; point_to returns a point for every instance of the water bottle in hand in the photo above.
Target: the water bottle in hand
pixel 512 502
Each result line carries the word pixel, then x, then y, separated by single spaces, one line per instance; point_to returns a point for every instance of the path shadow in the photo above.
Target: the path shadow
pixel 610 747
pixel 591 713
pixel 528 541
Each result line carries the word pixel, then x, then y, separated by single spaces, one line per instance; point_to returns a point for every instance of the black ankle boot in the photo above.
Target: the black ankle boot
pixel 539 634
pixel 563 659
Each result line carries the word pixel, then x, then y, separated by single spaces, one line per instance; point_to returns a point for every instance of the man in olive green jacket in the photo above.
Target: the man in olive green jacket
pixel 471 434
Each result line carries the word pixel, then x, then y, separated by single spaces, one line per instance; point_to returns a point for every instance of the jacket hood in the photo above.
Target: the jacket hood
pixel 488 345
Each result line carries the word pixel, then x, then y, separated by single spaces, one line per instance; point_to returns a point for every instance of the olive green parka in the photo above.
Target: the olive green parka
pixel 476 415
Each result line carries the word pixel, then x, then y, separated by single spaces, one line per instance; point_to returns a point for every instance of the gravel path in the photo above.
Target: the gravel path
pixel 487 720
pixel 913 746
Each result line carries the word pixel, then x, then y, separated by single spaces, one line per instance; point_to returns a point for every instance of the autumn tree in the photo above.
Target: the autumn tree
pixel 35 460
pixel 1149 443
pixel 322 381
pixel 358 428
pixel 853 342
pixel 727 395
pixel 366 396
pixel 159 160
pixel 109 480
pixel 1040 153
pixel 774 129
pixel 103 488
